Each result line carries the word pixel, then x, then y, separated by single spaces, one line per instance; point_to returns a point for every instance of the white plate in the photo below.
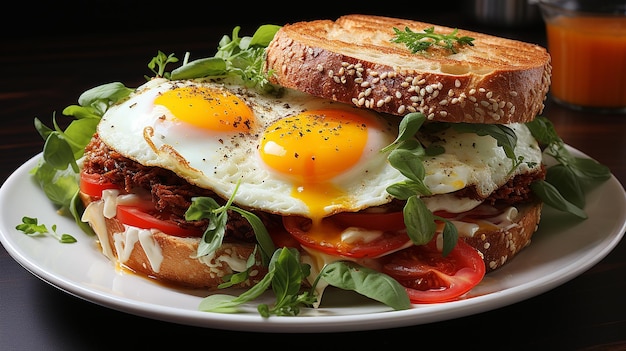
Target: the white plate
pixel 562 249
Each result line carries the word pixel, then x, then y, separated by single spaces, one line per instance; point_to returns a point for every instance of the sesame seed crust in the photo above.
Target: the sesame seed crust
pixel 499 247
pixel 352 60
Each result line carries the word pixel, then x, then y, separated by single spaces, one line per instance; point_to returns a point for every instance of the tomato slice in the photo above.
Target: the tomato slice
pixel 137 216
pixel 428 277
pixel 92 184
pixel 377 239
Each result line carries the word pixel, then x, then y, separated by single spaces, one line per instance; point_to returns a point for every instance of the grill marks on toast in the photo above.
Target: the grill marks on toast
pixel 353 60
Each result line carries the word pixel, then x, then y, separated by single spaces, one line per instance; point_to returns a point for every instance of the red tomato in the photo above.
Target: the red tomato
pixel 92 184
pixel 428 277
pixel 138 217
pixel 328 240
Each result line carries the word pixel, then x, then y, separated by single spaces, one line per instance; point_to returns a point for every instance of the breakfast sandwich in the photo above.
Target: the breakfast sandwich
pixel 399 159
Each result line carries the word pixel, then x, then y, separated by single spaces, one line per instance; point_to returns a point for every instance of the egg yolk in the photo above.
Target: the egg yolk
pixel 314 147
pixel 208 108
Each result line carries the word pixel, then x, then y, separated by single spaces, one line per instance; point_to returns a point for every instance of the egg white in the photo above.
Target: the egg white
pixel 150 135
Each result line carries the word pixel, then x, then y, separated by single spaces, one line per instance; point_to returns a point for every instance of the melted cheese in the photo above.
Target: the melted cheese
pixel 124 242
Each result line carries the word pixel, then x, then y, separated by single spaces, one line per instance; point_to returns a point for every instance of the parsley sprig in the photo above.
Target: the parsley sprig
pixel 30 226
pixel 421 41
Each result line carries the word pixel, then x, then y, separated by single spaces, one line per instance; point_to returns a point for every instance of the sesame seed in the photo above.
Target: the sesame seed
pixel 320 68
pixel 457 83
pixel 401 109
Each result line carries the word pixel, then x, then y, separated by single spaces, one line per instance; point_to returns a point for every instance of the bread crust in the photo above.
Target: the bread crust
pixel 178 266
pixel 353 60
pixel 499 247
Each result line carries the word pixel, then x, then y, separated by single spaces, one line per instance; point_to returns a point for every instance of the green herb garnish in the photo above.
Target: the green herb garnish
pixel 206 207
pixel 29 226
pixel 566 182
pixel 57 173
pixel 421 41
pixel 285 276
pixel 406 156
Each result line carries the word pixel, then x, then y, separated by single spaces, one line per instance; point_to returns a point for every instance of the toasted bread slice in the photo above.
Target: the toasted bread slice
pixel 354 60
pixel 500 246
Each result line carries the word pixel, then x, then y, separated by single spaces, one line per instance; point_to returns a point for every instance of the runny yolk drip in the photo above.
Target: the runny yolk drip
pixel 207 108
pixel 314 147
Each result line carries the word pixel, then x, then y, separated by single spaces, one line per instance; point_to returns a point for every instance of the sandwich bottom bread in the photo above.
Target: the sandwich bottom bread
pixel 349 156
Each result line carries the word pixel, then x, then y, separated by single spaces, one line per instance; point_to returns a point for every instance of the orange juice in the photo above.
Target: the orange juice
pixel 588 60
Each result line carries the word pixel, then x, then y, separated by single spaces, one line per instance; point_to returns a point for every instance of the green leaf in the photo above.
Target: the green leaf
pixel 419 221
pixel 504 135
pixel 262 236
pixel 367 282
pixel 210 66
pixel 551 196
pixel 58 153
pixel 566 183
pixel 421 41
pixel 264 35
pixel 409 125
pixel 110 92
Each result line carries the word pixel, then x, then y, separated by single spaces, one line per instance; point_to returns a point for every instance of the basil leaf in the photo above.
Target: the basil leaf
pixel 551 196
pixel 211 66
pixel 408 164
pixel 260 232
pixel 214 234
pixel 419 221
pixel 367 282
pixel 409 125
pixel 505 136
pixel 567 183
pixel 590 170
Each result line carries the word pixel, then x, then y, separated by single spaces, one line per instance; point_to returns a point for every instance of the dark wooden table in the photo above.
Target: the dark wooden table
pixel 43 72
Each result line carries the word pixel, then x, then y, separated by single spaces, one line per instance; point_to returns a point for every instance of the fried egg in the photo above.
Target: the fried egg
pixel 291 155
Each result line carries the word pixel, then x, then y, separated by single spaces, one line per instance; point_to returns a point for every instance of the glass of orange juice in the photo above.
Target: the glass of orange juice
pixel 587 42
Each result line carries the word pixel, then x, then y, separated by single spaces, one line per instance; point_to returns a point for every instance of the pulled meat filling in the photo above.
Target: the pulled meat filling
pixel 172 194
